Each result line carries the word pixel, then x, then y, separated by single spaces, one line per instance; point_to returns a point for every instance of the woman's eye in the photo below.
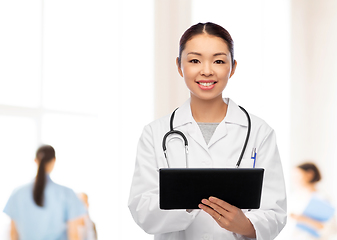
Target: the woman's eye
pixel 194 61
pixel 219 62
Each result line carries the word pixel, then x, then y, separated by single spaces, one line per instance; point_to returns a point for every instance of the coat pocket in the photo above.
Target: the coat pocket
pixel 246 163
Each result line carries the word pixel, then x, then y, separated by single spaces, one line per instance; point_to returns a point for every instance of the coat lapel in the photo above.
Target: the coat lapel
pixel 195 133
pixel 184 121
pixel 234 115
pixel 219 133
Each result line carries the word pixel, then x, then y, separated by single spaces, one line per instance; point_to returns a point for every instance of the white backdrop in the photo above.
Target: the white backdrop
pixel 74 73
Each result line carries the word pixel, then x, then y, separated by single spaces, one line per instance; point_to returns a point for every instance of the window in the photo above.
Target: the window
pixel 74 76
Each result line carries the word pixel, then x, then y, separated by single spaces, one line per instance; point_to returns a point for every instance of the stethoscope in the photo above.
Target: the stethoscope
pixel 186 142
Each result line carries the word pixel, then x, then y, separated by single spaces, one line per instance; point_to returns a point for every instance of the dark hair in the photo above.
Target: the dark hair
pixel 313 168
pixel 206 28
pixel 44 155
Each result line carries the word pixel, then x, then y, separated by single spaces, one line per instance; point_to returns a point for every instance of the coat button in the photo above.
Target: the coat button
pixel 207 237
pixel 206 162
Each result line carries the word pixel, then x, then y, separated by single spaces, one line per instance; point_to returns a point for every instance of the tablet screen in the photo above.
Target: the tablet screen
pixel 184 188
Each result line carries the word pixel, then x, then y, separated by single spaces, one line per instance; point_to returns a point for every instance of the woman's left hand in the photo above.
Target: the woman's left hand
pixel 228 216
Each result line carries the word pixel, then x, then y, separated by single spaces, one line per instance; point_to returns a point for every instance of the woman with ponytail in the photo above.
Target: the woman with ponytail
pixel 42 209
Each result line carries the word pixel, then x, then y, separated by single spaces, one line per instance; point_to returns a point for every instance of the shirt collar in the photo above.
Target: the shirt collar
pixel 234 114
pixel 48 177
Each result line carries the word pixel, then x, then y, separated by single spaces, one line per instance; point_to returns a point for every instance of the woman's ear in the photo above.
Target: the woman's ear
pixel 179 67
pixel 233 68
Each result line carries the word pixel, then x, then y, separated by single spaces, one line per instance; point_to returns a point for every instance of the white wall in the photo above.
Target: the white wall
pixel 314 86
pixel 172 18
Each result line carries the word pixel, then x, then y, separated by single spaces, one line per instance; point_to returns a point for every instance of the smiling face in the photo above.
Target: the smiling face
pixel 206 66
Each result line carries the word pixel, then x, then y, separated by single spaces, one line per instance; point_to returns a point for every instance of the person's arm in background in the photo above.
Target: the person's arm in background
pixel 14 232
pixel 75 212
pixel 95 231
pixel 73 226
pixel 74 215
pixel 308 221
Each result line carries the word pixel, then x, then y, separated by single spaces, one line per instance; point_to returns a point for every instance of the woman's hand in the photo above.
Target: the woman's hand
pixel 228 216
pixel 73 228
pixel 14 232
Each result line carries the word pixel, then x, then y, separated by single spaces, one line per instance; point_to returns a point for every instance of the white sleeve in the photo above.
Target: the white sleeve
pixel 270 219
pixel 144 194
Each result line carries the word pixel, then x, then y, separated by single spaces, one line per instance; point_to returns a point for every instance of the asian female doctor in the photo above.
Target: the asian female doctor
pixel 42 209
pixel 215 128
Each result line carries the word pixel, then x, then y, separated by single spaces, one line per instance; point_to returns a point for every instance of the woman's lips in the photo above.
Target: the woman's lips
pixel 206 85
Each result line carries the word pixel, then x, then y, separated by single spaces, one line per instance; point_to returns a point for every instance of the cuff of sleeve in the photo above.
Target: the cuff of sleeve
pixel 9 214
pixel 265 228
pixel 254 220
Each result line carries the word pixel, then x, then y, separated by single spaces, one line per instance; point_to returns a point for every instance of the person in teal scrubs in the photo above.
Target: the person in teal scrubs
pixel 42 209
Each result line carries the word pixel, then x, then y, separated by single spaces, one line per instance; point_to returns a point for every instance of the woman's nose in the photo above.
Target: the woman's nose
pixel 206 70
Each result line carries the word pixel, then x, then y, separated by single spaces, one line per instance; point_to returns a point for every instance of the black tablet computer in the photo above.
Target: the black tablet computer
pixel 184 188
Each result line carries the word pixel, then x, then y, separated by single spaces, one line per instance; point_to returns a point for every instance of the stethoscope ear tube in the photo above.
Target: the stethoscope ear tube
pixel 171 119
pixel 247 137
pixel 173 132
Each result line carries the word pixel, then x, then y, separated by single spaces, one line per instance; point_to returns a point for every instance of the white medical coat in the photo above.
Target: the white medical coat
pixel 222 151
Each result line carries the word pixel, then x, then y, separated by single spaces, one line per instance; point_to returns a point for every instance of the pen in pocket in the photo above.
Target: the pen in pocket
pixel 254 156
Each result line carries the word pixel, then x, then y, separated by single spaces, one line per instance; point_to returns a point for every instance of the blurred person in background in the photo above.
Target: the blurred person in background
pixel 312 211
pixel 87 227
pixel 42 209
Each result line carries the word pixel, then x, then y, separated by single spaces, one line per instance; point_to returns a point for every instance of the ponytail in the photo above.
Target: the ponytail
pixel 44 155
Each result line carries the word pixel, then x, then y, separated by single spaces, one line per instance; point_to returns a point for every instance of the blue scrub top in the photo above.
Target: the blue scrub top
pixel 48 222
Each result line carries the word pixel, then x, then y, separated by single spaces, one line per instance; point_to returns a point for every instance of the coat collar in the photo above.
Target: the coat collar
pixel 184 116
pixel 234 114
